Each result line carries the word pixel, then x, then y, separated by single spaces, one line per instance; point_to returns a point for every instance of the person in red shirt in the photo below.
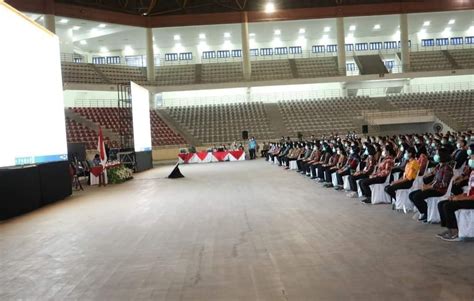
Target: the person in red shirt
pixel 380 175
pixel 448 208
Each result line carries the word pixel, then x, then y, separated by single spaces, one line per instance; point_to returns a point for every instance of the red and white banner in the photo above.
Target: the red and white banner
pixel 208 157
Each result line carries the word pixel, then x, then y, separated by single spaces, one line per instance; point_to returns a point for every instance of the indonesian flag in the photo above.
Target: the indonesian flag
pixel 101 148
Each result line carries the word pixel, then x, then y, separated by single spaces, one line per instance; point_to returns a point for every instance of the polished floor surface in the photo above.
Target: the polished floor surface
pixel 228 231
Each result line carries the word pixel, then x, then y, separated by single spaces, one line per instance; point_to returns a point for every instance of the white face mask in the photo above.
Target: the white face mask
pixel 338 152
pixel 384 154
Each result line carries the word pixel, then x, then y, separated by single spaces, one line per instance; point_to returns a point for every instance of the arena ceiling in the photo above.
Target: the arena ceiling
pixel 187 7
pixel 169 13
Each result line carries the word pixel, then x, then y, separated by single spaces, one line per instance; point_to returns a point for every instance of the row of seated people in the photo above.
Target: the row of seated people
pixel 418 168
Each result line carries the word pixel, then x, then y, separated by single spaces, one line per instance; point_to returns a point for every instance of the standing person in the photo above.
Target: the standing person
pixel 252 148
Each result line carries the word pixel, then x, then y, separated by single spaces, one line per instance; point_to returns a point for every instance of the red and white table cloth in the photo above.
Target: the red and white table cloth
pixel 210 157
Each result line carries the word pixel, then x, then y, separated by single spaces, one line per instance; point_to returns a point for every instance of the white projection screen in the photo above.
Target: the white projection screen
pixel 32 122
pixel 141 118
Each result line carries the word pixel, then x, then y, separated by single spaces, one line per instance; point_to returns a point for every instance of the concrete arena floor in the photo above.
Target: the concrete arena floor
pixel 228 231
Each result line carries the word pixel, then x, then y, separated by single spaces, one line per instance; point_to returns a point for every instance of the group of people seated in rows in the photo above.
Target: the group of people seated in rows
pixel 442 159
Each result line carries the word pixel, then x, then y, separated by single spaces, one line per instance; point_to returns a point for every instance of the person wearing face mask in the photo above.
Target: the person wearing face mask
pixel 378 177
pixel 365 172
pixel 463 179
pixel 447 209
pixel 274 153
pixel 438 186
pixel 315 156
pixel 400 160
pixel 285 150
pixel 341 162
pixel 308 149
pixel 412 169
pixel 298 151
pixel 349 168
pixel 460 154
pixel 334 157
pixel 323 160
pixel 422 158
pixel 290 153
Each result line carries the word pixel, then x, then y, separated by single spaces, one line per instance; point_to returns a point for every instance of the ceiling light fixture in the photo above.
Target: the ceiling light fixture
pixel 226 34
pixel 277 32
pixel 270 8
pixel 376 26
pixel 327 29
pixel 202 36
pixel 302 30
pixel 451 22
pixel 102 25
pixel 352 27
pixel 177 37
pixel 427 23
pixel 63 21
pixel 83 42
pixel 76 27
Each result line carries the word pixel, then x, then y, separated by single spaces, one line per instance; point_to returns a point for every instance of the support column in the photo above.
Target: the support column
pixel 150 55
pixel 341 46
pixel 246 66
pixel 404 43
pixel 50 23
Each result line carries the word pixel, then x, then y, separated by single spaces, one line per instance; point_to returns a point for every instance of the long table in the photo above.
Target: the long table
pixel 210 157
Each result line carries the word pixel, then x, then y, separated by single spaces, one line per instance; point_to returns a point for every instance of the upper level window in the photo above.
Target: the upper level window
pixel 427 42
pixel 331 48
pixel 266 51
pixel 186 56
pixel 281 50
pixel 390 45
pixel 296 50
pixel 253 52
pixel 209 55
pixel 469 40
pixel 169 57
pixel 223 54
pixel 319 49
pixel 457 41
pixel 98 60
pixel 375 45
pixel 237 53
pixel 361 46
pixel 349 47
pixel 442 42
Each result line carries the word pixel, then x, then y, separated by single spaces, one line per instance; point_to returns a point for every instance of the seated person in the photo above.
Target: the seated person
pixel 412 169
pixel 96 161
pixel 333 159
pixel 284 151
pixel 463 179
pixel 298 151
pixel 447 209
pixel 315 156
pixel 422 158
pixel 438 186
pixel 349 168
pixel 368 169
pixel 308 150
pixel 326 154
pixel 380 175
pixel 400 159
pixel 460 154
pixel 341 162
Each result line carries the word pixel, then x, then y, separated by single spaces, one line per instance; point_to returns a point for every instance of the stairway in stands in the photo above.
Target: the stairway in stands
pixel 276 120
